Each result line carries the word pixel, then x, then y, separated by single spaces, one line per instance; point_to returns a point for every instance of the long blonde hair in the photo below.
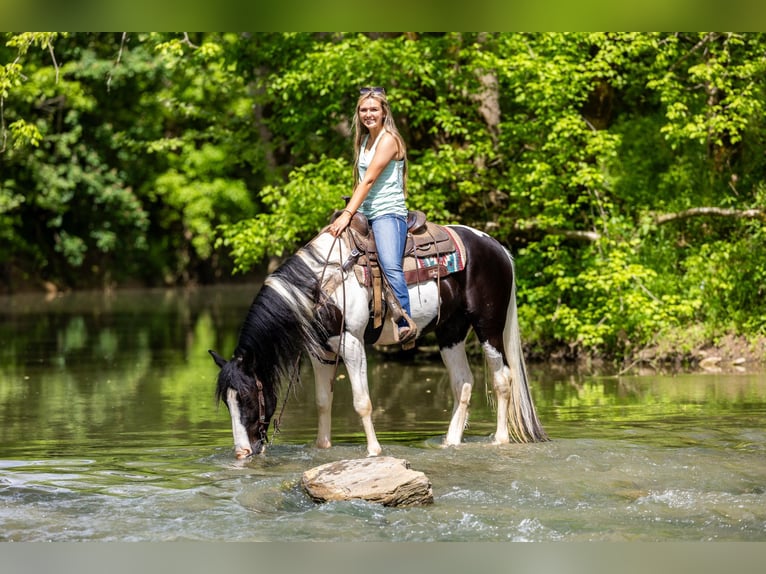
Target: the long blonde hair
pixel 360 131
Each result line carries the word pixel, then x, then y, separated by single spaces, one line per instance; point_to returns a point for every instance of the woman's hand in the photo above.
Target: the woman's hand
pixel 340 223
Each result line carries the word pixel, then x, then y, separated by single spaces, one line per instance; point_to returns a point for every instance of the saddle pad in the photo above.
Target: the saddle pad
pixel 421 269
pixel 454 261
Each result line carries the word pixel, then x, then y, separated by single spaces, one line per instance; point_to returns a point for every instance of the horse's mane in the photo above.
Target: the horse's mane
pixel 281 324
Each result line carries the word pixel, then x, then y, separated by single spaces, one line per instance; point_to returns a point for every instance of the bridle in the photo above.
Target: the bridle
pixel 261 426
pixel 326 284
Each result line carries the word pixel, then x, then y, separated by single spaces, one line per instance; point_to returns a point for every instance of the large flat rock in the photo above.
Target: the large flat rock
pixel 385 480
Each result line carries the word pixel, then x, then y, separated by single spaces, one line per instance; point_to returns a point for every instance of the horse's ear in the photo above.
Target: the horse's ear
pixel 219 360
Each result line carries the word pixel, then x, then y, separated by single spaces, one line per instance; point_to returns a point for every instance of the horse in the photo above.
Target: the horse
pixel 315 305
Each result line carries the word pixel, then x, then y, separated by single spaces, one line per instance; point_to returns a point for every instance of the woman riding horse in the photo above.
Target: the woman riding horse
pixel 380 170
pixel 314 304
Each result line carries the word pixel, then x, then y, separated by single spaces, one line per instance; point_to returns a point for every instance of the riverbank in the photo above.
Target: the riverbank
pixel 729 353
pixel 689 351
pixel 682 353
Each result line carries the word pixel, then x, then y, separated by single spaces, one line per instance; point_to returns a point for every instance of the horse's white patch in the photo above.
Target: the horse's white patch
pixel 501 374
pixel 308 258
pixel 424 303
pixel 424 308
pixel 472 230
pixel 455 360
pixel 241 440
pixel 494 357
pixel 461 381
pixel 291 295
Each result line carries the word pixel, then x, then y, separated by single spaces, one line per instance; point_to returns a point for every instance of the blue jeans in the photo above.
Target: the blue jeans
pixel 390 238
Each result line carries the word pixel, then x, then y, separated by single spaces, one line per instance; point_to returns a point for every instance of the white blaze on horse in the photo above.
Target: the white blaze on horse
pixel 327 301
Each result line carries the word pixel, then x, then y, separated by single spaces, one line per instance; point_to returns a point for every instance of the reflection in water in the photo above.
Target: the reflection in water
pixel 110 432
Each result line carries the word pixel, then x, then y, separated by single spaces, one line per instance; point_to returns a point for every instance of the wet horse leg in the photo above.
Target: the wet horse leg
pixel 461 381
pixel 323 377
pixel 355 358
pixel 501 382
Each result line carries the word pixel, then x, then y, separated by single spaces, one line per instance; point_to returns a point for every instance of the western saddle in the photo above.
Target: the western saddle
pixel 428 245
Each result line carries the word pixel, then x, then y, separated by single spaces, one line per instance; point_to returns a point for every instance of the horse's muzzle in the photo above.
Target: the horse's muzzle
pixel 258 447
pixel 242 453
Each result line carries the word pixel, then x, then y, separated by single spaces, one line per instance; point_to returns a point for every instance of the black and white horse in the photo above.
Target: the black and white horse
pixel 294 314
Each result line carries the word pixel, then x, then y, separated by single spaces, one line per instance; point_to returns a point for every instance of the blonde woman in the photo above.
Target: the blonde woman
pixel 380 170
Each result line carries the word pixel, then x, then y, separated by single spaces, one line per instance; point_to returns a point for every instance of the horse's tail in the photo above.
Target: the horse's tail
pixel 523 423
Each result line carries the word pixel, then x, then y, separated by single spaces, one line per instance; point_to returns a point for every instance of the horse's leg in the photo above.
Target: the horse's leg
pixel 323 376
pixel 501 382
pixel 461 381
pixel 355 359
pixel 477 298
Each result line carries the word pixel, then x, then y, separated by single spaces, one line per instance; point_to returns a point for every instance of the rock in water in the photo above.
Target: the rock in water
pixel 385 480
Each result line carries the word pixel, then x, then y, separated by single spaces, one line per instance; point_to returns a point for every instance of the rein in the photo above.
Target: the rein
pixel 262 425
pixel 348 264
pixel 278 420
pixel 345 266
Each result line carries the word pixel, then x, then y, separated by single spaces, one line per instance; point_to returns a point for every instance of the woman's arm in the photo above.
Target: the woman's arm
pixel 384 153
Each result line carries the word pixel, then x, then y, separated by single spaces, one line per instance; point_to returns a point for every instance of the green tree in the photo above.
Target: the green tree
pixel 139 157
pixel 623 170
pixel 574 149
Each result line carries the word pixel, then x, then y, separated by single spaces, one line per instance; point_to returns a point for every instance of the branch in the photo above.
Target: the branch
pixel 188 42
pixel 576 234
pixel 116 62
pixel 717 211
pixel 708 37
pixel 55 63
pixel 592 236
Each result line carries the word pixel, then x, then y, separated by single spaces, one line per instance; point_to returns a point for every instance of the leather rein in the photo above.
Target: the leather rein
pixel 326 285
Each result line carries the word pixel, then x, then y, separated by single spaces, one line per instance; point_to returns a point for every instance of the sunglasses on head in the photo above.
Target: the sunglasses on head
pixel 375 90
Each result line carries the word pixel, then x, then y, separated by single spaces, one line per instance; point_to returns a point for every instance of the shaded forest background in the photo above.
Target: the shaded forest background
pixel 624 171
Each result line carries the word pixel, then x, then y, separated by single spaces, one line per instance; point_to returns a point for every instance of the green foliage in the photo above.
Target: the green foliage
pixel 300 204
pixel 171 158
pixel 730 277
pixel 614 303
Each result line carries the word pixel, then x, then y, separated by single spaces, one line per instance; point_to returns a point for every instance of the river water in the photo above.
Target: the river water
pixel 109 432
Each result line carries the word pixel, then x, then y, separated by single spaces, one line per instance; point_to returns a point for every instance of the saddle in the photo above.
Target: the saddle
pixel 432 251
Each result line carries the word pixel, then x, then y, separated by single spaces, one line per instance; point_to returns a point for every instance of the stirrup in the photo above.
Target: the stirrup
pixel 407 333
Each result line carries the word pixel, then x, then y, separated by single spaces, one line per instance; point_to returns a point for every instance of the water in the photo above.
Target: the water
pixel 110 433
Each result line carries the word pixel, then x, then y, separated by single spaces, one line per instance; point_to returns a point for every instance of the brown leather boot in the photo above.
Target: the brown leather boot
pixel 408 333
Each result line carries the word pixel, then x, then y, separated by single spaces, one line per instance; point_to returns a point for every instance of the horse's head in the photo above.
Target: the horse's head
pixel 250 403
